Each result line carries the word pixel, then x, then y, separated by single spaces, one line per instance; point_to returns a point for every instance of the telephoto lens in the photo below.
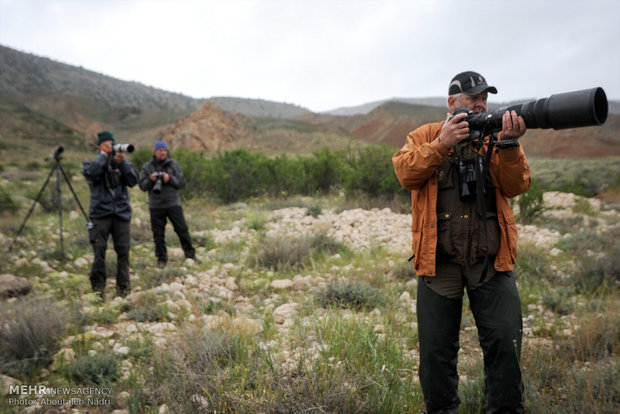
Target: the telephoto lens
pixel 123 148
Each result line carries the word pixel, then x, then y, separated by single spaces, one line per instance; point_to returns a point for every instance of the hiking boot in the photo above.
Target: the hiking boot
pixel 123 292
pixel 161 264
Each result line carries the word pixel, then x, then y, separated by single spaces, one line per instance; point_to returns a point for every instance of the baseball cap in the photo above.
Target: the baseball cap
pixel 470 83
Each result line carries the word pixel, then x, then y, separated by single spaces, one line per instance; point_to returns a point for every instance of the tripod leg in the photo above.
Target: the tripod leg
pixel 59 190
pixel 73 191
pixel 36 200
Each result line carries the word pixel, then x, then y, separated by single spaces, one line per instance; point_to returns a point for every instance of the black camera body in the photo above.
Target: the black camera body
pixel 577 109
pixel 583 108
pixel 158 182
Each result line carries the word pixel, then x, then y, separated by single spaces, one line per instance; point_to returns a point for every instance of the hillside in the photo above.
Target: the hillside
pixel 210 129
pixel 85 100
pixel 258 107
pixel 47 102
pixel 390 122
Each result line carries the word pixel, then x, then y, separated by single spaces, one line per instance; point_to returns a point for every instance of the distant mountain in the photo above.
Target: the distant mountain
pixel 391 122
pixel 44 102
pixel 259 107
pixel 85 100
pixel 614 106
pixel 370 106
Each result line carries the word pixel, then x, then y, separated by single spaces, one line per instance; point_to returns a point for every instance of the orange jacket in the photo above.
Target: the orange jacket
pixel 416 165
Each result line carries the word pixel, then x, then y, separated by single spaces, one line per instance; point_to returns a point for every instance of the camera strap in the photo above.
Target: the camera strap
pixel 481 177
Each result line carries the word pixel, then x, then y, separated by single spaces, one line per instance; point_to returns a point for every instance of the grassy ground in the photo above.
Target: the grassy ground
pixel 302 323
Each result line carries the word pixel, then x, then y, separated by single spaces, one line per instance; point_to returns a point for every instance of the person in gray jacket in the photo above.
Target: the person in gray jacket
pixel 163 177
pixel 108 177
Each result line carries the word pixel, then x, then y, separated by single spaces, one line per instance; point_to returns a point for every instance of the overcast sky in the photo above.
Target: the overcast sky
pixel 324 54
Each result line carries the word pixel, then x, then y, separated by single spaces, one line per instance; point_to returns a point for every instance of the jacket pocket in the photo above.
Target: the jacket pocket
pixel 489 245
pixel 445 238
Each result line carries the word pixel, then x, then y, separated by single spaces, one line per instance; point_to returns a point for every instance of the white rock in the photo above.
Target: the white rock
pixel 231 284
pixel 281 284
pixel 284 312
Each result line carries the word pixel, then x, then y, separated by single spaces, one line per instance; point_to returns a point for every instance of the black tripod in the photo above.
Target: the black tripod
pixel 57 167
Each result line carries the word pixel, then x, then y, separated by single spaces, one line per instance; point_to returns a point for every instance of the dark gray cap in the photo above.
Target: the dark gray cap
pixel 470 83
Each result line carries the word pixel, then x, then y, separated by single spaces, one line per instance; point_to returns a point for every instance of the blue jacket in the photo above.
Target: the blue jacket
pixel 105 199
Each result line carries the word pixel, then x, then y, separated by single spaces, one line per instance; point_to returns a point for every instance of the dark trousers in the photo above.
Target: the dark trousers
pixel 98 234
pixel 158 225
pixel 496 307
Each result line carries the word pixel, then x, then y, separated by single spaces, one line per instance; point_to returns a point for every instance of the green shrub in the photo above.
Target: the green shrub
pixel 30 334
pixel 193 373
pixel 148 309
pixel 283 253
pixel 194 165
pixel 322 243
pixel 98 369
pixel 322 171
pixel 531 204
pixel 580 186
pixel 6 202
pixel 314 210
pixel 283 176
pixel 235 175
pixel 404 271
pixel 140 157
pixel 350 294
pixel 371 171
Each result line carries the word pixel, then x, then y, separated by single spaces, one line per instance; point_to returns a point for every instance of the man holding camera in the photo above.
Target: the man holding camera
pixel 163 177
pixel 108 177
pixel 465 238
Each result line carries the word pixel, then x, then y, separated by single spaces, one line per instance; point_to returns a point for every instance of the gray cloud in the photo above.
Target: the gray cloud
pixel 325 54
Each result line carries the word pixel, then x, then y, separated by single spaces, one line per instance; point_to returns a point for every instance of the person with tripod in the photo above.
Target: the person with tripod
pixel 465 238
pixel 163 177
pixel 108 177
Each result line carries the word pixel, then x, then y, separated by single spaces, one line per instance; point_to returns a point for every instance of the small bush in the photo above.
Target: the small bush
pixel 371 171
pixel 597 336
pixel 30 334
pixel 148 309
pixel 6 202
pixel 98 369
pixel 350 294
pixel 404 271
pixel 283 253
pixel 155 278
pixel 256 220
pixel 314 210
pixel 322 243
pixel 531 204
pixel 191 374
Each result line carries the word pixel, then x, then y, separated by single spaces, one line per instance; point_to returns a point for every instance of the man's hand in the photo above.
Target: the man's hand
pixel 120 157
pixel 106 147
pixel 454 130
pixel 513 126
pixel 165 177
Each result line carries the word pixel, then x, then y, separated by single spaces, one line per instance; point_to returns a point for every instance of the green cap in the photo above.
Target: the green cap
pixel 104 136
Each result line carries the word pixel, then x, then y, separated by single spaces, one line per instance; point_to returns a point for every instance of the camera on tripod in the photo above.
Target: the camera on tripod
pixel 57 153
pixel 158 182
